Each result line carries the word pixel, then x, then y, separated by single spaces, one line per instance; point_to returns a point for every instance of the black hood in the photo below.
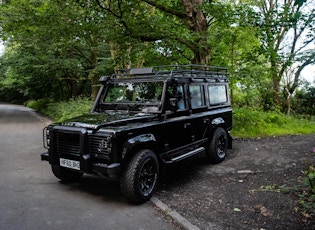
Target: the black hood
pixel 114 119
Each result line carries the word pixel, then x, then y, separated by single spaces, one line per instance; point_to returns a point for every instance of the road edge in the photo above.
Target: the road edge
pixel 175 216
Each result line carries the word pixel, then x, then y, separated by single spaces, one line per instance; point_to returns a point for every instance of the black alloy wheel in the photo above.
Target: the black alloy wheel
pixel 217 149
pixel 140 177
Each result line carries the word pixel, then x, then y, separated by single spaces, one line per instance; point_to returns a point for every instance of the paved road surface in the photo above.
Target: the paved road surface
pixel 32 198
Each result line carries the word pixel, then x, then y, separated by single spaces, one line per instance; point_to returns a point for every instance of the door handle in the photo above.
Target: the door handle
pixel 187 125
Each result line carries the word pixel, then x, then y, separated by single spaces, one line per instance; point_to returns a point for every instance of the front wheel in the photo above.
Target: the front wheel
pixel 217 149
pixel 140 177
pixel 64 174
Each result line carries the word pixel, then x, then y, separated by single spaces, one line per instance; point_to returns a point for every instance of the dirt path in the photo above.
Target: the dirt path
pixel 256 187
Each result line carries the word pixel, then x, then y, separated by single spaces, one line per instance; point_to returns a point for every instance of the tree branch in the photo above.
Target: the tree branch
pixel 165 9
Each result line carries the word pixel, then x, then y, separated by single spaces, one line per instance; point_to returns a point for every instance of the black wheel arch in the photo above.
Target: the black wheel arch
pixel 220 123
pixel 136 143
pixel 213 128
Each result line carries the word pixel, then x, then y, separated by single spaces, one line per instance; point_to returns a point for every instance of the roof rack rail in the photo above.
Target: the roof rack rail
pixel 199 71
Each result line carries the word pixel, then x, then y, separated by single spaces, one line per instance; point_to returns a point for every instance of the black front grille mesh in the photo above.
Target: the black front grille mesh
pixel 67 143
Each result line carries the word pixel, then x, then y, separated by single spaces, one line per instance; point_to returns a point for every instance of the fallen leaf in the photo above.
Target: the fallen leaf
pixel 263 210
pixel 307 215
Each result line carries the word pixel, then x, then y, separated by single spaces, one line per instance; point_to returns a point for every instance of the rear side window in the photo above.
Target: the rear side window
pixel 217 94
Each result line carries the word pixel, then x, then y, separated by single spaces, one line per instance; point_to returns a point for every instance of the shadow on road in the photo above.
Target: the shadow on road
pixel 99 187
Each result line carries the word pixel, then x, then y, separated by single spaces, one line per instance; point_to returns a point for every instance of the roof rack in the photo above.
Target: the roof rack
pixel 190 70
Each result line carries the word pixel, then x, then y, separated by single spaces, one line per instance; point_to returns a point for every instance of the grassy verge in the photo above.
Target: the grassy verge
pixel 60 111
pixel 255 123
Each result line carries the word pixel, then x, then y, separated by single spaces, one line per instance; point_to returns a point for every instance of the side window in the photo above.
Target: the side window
pixel 178 93
pixel 181 100
pixel 217 94
pixel 196 96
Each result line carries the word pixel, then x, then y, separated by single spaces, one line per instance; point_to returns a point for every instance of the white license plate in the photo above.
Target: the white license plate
pixel 69 163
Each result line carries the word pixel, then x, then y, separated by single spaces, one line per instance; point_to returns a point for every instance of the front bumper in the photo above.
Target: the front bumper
pixel 44 156
pixel 110 170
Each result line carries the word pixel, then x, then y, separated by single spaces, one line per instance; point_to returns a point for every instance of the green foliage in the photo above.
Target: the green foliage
pixel 304 100
pixel 307 198
pixel 30 74
pixel 285 51
pixel 60 111
pixel 39 105
pixel 53 49
pixel 310 179
pixel 251 122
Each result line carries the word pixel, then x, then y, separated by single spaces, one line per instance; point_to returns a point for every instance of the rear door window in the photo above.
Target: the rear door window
pixel 217 94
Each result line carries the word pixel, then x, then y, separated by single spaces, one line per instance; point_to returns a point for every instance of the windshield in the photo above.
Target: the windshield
pixel 135 92
pixel 138 96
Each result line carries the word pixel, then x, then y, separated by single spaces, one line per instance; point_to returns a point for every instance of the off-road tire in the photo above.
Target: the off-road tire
pixel 64 174
pixel 140 177
pixel 217 149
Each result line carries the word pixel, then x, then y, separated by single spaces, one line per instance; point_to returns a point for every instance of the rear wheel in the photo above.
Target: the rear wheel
pixel 64 174
pixel 217 149
pixel 140 176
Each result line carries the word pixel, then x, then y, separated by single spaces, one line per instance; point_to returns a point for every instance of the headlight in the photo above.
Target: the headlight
pixel 46 138
pixel 100 145
pixel 105 145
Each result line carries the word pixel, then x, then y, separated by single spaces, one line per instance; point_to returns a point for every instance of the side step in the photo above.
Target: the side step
pixel 186 155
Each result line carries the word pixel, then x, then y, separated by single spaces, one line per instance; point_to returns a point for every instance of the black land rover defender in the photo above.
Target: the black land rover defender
pixel 141 119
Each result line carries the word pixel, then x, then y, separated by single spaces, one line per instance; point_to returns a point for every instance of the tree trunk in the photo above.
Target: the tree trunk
pixel 276 87
pixel 74 88
pixel 197 23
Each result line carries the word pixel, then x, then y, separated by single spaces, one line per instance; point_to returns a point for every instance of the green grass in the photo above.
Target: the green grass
pixel 250 122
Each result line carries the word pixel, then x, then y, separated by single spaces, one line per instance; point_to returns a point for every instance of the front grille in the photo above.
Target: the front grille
pixel 100 146
pixel 67 143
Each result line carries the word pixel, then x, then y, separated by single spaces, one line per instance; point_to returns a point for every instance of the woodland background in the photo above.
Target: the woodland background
pixel 56 50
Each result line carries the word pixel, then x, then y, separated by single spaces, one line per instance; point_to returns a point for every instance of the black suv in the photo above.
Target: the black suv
pixel 142 119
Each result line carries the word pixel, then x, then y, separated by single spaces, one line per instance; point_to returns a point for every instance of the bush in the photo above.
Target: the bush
pixel 60 111
pixel 39 105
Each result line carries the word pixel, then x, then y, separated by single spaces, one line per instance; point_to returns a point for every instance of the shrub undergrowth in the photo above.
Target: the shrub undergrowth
pixel 307 197
pixel 250 122
pixel 60 111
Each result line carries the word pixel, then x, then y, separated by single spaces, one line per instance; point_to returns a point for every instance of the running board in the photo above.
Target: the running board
pixel 189 154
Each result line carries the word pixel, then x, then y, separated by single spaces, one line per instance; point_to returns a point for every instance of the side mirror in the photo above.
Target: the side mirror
pixel 173 102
